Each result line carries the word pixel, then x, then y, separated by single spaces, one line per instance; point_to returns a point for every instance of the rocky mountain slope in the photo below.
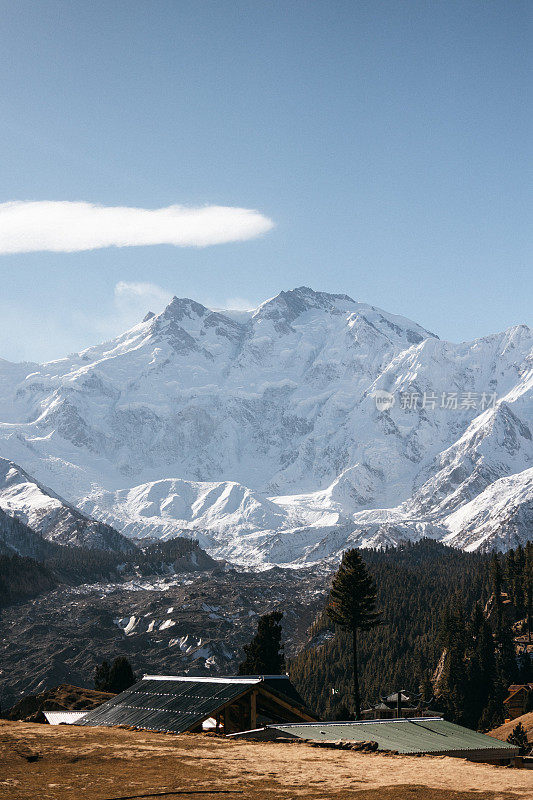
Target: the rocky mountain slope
pixel 181 623
pixel 16 538
pixel 49 516
pixel 283 434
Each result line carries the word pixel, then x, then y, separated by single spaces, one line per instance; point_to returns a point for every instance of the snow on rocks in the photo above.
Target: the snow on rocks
pixel 258 432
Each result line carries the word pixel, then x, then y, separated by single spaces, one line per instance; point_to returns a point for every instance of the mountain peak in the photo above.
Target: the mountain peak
pixel 283 401
pixel 180 307
pixel 287 306
pixel 306 291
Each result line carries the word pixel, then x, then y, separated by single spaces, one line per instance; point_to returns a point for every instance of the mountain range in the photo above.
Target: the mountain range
pixel 280 435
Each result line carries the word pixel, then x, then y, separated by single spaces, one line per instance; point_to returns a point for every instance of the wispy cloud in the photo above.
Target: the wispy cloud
pixel 131 302
pixel 64 226
pixel 228 303
pixel 133 299
pixel 59 330
pixel 236 304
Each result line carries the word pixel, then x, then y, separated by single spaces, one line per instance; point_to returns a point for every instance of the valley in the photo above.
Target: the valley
pixel 186 623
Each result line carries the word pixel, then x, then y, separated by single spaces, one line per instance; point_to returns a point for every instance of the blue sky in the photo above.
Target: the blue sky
pixel 387 142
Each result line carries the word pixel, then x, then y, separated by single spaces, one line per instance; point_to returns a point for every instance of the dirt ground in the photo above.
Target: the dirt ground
pixel 45 762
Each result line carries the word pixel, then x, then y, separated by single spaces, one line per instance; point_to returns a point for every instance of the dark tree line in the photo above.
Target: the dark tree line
pixel 23 578
pixel 476 668
pixel 417 590
pixel 53 564
pixel 115 677
pixel 512 573
pixel 480 660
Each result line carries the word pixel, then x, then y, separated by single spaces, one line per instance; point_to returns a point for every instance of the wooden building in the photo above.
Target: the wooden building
pixel 402 704
pixel 179 703
pixel 516 702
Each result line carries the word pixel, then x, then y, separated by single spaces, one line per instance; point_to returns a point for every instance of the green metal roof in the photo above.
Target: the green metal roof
pixel 420 735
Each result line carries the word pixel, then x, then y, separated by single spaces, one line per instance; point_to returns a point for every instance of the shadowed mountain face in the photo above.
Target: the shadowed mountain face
pixel 259 431
pixel 47 518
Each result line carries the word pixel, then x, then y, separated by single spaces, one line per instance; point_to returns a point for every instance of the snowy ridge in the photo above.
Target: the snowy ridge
pixel 52 518
pixel 259 433
pixel 499 515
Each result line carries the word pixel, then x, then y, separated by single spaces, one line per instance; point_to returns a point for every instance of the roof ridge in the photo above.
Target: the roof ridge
pixel 202 679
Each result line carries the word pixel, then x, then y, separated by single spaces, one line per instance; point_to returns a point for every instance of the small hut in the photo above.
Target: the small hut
pixel 431 736
pixel 399 704
pixel 178 703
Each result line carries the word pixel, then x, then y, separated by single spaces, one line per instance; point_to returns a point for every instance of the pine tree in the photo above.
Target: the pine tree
pixel 519 738
pixel 264 655
pixel 426 688
pixel 121 675
pixel 352 605
pixel 496 580
pixel 493 714
pixel 115 678
pixel 454 682
pixel 339 712
pixel 481 667
pixel 506 659
pixel 485 648
pixel 525 669
pixel 101 677
pixel 528 586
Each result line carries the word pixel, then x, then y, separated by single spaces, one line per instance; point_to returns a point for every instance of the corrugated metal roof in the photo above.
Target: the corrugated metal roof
pixel 173 703
pixel 281 684
pixel 165 703
pixel 419 735
pixel 200 679
pixel 63 717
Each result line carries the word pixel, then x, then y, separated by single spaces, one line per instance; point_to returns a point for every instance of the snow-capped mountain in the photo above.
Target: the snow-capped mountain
pixel 261 431
pixel 500 515
pixel 50 517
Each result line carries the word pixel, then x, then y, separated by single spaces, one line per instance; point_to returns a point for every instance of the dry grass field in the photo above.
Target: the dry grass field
pixel 504 730
pixel 42 762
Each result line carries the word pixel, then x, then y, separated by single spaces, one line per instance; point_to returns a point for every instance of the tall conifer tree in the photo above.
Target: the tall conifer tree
pixel 264 654
pixel 352 605
pixel 121 675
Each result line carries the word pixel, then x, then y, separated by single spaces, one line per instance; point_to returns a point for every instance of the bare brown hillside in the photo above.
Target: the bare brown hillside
pixel 507 728
pixel 61 698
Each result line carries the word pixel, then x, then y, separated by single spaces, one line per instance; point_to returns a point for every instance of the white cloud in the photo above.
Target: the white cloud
pixel 59 330
pixel 131 303
pixel 138 298
pixel 64 226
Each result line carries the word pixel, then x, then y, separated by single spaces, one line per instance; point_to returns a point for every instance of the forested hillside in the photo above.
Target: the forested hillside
pixel 417 585
pixel 52 564
pixel 21 578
